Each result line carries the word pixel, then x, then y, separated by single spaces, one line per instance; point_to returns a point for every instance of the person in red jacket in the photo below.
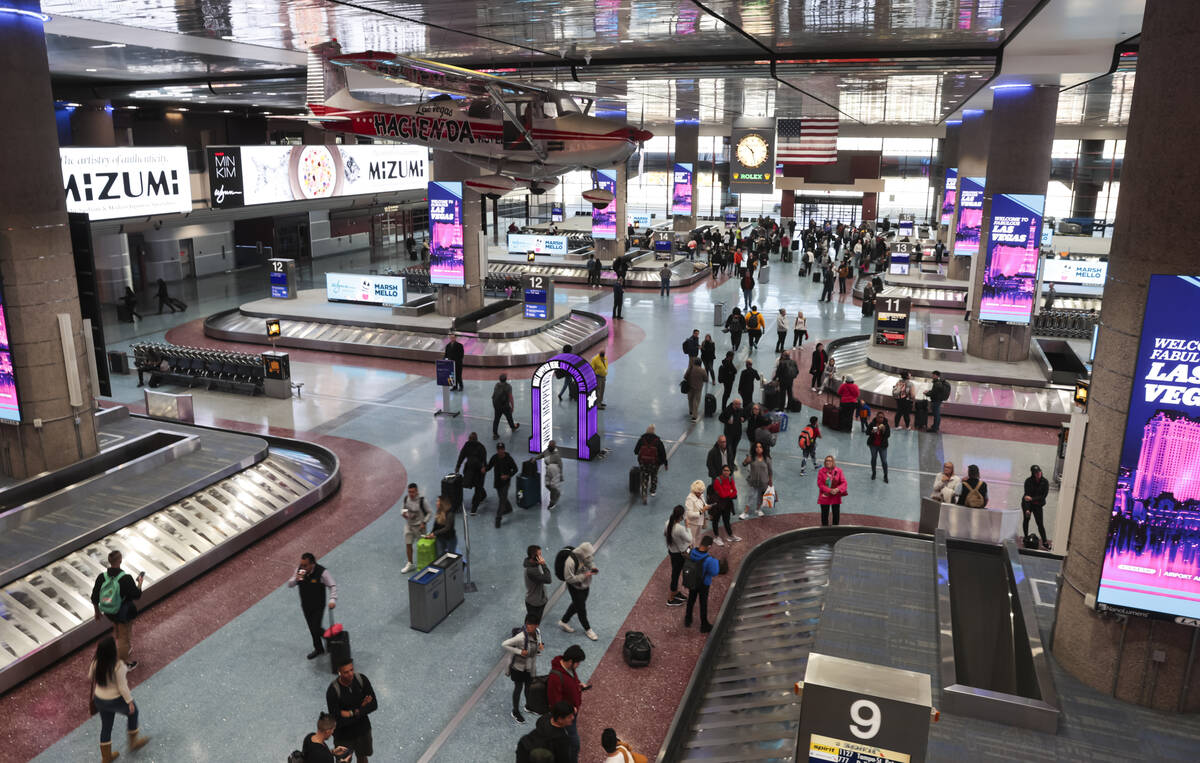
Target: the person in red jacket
pixel 563 684
pixel 848 394
pixel 831 486
pixel 726 490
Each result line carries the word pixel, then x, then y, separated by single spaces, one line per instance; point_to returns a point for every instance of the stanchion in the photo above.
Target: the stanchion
pixel 468 586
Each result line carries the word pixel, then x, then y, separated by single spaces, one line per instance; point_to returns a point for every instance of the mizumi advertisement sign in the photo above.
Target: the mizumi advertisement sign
pixel 108 183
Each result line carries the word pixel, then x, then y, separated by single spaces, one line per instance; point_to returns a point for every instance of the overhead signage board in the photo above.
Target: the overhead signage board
pixel 556 213
pixel 899 257
pixel 1010 270
pixel 520 243
pixel 681 189
pixel 1075 272
pixel 243 176
pixel 538 293
pixel 906 226
pixel 114 182
pixel 950 195
pixel 970 215
pixel 1148 567
pixel 891 320
pixel 604 221
pixel 282 274
pixel 731 217
pixel 10 403
pixel 752 157
pixel 447 264
pixel 365 289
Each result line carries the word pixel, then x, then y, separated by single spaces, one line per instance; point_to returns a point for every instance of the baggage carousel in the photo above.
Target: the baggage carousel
pixel 236 489
pixel 930 294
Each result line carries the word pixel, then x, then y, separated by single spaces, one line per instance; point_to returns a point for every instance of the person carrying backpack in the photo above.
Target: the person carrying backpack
pixel 807 442
pixel 524 645
pixel 113 596
pixel 754 326
pixel 563 685
pixel 938 393
pixel 651 454
pixel 416 518
pixel 973 493
pixel 502 406
pixel 698 573
pixel 351 700
pixel 549 741
pixel 578 568
pixel 735 324
pixel 747 287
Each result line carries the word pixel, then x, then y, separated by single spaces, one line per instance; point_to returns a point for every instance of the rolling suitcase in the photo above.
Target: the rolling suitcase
pixel 816 276
pixel 773 396
pixel 921 414
pixel 452 490
pixel 635 480
pixel 337 643
pixel 529 490
pixel 529 468
pixel 710 405
pixel 795 406
pixel 831 416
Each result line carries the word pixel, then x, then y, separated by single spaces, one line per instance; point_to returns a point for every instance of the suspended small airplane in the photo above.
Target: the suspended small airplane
pixel 525 133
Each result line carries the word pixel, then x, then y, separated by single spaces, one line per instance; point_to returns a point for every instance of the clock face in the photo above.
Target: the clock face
pixel 752 150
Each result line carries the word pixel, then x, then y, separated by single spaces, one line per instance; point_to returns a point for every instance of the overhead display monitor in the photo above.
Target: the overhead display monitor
pixel 891 320
pixel 538 293
pixel 108 183
pixel 970 215
pixel 681 189
pixel 752 157
pixel 950 195
pixel 446 261
pixel 731 217
pixel 10 404
pixel 1075 272
pixel 1150 562
pixel 1010 270
pixel 365 289
pixel 529 242
pixel 242 176
pixel 556 213
pixel 604 221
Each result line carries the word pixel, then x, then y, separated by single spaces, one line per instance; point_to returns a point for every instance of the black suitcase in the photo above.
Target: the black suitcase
pixel 338 646
pixel 795 406
pixel 637 649
pixel 635 480
pixel 452 490
pixel 921 414
pixel 868 307
pixel 773 396
pixel 831 416
pixel 529 491
pixel 529 468
pixel 816 276
pixel 710 405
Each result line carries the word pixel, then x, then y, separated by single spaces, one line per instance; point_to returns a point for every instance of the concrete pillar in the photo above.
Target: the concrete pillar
pixel 947 160
pixel 92 124
pixel 1159 174
pixel 460 300
pixel 37 265
pixel 687 151
pixel 973 140
pixel 1022 134
pixel 607 250
pixel 1091 170
pixel 113 274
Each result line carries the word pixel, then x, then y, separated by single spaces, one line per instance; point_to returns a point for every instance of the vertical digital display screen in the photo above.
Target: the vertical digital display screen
pixel 951 194
pixel 446 262
pixel 535 303
pixel 556 213
pixel 1152 554
pixel 279 284
pixel 1011 269
pixel 970 215
pixel 604 221
pixel 681 193
pixel 10 408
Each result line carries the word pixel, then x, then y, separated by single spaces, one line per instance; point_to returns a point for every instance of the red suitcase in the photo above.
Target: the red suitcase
pixel 831 416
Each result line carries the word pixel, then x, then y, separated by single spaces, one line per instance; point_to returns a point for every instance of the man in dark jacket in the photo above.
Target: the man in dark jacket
pixel 747 382
pixel 503 468
pixel 351 699
pixel 455 352
pixel 550 734
pixel 313 581
pixel 727 375
pixel 472 461
pixel 537 577
pixel 651 454
pixel 785 373
pixel 733 418
pixel 502 405
pixel 618 298
pixel 1033 502
pixel 718 457
pixel 563 685
pixel 691 346
pixel 120 609
pixel 709 568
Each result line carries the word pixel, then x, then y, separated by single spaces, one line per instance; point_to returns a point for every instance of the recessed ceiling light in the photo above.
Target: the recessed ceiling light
pixel 109 45
pixel 89 70
pixel 181 108
pixel 226 111
pixel 996 29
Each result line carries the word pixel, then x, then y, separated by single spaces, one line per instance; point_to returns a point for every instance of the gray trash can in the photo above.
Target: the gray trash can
pixel 427 599
pixel 718 313
pixel 764 274
pixel 451 565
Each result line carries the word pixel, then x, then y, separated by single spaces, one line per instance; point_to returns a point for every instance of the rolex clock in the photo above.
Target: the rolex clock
pixel 752 150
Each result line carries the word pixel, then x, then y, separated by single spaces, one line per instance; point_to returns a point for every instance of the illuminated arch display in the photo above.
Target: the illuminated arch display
pixel 542 404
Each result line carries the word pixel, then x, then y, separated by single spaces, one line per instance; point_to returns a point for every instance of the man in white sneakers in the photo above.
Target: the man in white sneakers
pixel 416 517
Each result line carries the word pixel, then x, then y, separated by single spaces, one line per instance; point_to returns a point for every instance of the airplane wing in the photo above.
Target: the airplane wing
pixel 437 76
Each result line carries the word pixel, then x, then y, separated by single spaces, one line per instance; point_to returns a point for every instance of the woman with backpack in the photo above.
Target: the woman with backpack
pixel 877 441
pixel 679 540
pixel 831 486
pixel 735 324
pixel 111 696
pixel 524 645
pixel 577 572
pixel 973 493
pixel 759 476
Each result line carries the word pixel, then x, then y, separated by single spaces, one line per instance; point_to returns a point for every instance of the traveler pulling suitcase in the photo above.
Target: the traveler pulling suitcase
pixel 921 414
pixel 529 490
pixel 337 643
pixel 635 480
pixel 710 405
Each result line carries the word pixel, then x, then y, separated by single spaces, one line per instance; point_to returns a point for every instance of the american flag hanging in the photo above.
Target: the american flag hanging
pixel 807 141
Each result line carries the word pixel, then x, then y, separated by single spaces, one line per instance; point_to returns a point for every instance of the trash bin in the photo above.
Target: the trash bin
pixel 118 362
pixel 427 599
pixel 719 314
pixel 451 565
pixel 764 274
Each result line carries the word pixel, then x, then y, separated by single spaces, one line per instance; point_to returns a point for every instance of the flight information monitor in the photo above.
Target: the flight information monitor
pixel 891 320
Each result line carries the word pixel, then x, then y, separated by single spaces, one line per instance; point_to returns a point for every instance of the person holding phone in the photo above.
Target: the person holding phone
pixel 113 596
pixel 316 750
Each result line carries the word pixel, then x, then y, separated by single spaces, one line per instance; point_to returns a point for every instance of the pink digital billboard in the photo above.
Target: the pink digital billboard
pixel 10 408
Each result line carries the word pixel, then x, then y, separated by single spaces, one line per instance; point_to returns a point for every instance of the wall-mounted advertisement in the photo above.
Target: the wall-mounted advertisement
pixel 365 289
pixel 1010 270
pixel 950 195
pixel 970 215
pixel 108 183
pixel 247 175
pixel 10 404
pixel 681 189
pixel 520 243
pixel 1075 272
pixel 446 262
pixel 604 221
pixel 1151 564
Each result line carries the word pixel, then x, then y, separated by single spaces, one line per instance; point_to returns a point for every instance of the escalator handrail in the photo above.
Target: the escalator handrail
pixel 674 740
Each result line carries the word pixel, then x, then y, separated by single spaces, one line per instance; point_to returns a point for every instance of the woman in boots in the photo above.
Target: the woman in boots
pixel 110 694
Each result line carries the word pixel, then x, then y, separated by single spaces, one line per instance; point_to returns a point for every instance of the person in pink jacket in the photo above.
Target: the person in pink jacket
pixel 831 486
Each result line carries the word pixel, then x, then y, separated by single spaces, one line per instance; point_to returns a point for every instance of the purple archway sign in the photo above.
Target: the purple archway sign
pixel 542 404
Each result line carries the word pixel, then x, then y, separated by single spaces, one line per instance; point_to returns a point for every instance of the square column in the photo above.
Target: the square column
pixel 460 300
pixel 687 151
pixel 608 250
pixel 974 136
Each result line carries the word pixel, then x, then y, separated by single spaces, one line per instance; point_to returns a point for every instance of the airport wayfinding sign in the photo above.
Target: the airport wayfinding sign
pixel 122 181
